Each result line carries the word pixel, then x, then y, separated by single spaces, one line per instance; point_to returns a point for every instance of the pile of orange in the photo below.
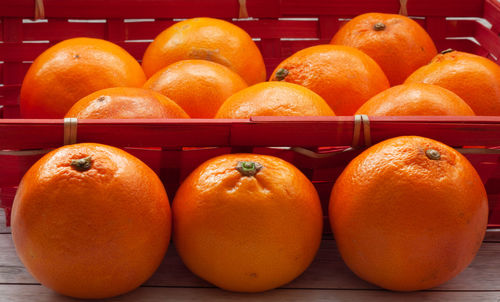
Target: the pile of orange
pixel 92 221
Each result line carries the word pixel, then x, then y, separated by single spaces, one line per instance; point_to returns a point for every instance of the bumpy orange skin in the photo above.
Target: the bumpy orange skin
pixel 274 99
pixel 92 234
pixel 415 99
pixel 405 222
pixel 473 78
pixel 197 86
pixel 247 233
pixel 72 69
pixel 343 76
pixel 126 103
pixel 400 48
pixel 206 39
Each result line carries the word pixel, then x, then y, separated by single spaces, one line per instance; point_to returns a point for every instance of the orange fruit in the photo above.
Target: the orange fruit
pixel 274 99
pixel 72 69
pixel 397 43
pixel 409 213
pixel 199 87
pixel 343 76
pixel 206 39
pixel 473 78
pixel 415 99
pixel 125 103
pixel 91 221
pixel 247 222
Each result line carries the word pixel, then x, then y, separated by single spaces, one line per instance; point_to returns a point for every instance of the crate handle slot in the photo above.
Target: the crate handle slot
pixel 39 10
pixel 70 127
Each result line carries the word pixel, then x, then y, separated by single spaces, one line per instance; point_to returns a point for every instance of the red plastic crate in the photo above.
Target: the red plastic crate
pixel 280 29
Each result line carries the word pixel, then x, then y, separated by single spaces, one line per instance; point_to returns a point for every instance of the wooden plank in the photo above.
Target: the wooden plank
pixel 22 293
pixel 3 228
pixel 326 272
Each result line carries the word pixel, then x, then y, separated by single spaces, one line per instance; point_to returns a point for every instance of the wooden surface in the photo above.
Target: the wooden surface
pixel 326 279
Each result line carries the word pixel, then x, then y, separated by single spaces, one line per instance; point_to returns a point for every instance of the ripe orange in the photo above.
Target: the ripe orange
pixel 473 78
pixel 91 221
pixel 247 222
pixel 274 99
pixel 72 69
pixel 199 87
pixel 397 43
pixel 415 99
pixel 409 213
pixel 125 103
pixel 206 39
pixel 343 76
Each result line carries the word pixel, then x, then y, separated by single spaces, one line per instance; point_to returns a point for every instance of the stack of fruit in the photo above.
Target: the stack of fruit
pixel 410 213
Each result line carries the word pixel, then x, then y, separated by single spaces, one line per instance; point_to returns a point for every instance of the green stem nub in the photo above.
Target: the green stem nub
pixel 433 154
pixel 447 51
pixel 82 164
pixel 248 168
pixel 379 26
pixel 281 74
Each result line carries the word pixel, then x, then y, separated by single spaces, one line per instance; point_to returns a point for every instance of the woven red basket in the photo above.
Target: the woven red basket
pixel 280 27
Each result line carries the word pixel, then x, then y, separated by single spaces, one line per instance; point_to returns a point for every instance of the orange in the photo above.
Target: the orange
pixel 206 39
pixel 125 103
pixel 397 43
pixel 274 99
pixel 247 222
pixel 473 78
pixel 342 75
pixel 415 99
pixel 91 221
pixel 72 69
pixel 409 213
pixel 199 87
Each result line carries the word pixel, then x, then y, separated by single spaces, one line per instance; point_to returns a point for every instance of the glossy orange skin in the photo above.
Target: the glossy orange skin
pixel 400 48
pixel 197 86
pixel 405 222
pixel 247 233
pixel 72 69
pixel 473 78
pixel 92 234
pixel 206 39
pixel 126 103
pixel 343 76
pixel 274 99
pixel 415 99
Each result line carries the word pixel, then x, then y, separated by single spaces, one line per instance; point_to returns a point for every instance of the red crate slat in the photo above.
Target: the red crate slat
pixel 445 8
pixel 339 8
pixel 61 29
pixel 18 52
pixel 96 9
pixel 492 14
pixel 264 28
pixel 259 131
pixel 489 40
